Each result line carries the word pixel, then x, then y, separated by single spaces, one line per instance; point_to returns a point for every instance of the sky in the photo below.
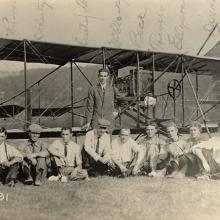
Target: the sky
pixel 174 26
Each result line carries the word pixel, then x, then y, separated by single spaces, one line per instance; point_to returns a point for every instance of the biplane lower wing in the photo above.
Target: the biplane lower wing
pixel 7 111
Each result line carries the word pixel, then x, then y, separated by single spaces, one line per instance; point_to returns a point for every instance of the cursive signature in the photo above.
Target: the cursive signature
pixel 9 23
pixel 156 39
pixel 137 36
pixel 116 26
pixel 212 17
pixel 42 5
pixel 179 31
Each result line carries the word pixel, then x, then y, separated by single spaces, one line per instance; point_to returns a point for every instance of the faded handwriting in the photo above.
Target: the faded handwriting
pixel 116 26
pixel 179 31
pixel 83 4
pixel 212 17
pixel 83 25
pixel 83 33
pixel 137 36
pixel 9 23
pixel 156 39
pixel 42 5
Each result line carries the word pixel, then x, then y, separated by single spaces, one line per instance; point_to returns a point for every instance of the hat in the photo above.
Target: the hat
pixel 150 123
pixel 103 123
pixel 35 128
pixel 125 131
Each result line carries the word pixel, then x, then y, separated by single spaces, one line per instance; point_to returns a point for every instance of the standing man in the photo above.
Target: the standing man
pixel 126 154
pixel 10 160
pixel 66 158
pixel 101 102
pixel 97 149
pixel 35 154
pixel 155 155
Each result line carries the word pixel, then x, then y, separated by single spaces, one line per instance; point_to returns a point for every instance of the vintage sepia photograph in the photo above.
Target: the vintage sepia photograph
pixel 109 109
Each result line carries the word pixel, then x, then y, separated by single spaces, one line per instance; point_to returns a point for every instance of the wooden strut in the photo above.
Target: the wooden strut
pixel 197 101
pixel 153 87
pixel 183 95
pixel 103 56
pixel 138 91
pixel 25 83
pixel 71 79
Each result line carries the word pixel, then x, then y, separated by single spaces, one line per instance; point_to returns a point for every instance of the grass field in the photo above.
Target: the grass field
pixel 108 198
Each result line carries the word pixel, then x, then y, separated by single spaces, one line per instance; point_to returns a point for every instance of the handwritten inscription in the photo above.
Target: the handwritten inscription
pixel 83 25
pixel 9 23
pixel 179 31
pixel 3 197
pixel 137 36
pixel 156 39
pixel 42 6
pixel 212 17
pixel 116 26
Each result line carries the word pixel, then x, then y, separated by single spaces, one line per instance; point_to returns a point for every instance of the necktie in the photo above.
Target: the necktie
pixel 97 145
pixel 33 148
pixel 65 149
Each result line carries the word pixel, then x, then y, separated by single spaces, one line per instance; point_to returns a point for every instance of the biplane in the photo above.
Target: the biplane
pixel 139 104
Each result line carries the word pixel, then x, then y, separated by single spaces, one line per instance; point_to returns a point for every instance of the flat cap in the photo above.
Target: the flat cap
pixel 35 128
pixel 150 123
pixel 125 131
pixel 103 122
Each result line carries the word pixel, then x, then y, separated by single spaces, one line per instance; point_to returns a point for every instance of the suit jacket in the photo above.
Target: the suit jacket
pixel 101 104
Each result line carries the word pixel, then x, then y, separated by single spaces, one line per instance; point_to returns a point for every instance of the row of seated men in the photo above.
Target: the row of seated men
pixel 64 160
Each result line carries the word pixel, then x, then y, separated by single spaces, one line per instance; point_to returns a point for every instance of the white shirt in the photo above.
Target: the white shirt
pixel 73 158
pixel 103 87
pixel 124 152
pixel 211 144
pixel 11 153
pixel 91 141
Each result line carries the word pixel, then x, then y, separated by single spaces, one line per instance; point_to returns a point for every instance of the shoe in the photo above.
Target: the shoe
pixel 152 174
pixel 11 183
pixel 64 179
pixel 159 173
pixel 177 175
pixel 54 178
pixel 87 179
pixel 203 177
pixel 37 183
pixel 29 180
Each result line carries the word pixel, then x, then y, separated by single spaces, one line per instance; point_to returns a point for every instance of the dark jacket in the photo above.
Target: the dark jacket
pixel 101 104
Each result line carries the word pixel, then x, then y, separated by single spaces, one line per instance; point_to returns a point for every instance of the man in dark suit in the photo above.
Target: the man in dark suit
pixel 101 101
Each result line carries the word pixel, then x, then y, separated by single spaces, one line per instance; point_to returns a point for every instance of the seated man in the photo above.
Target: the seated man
pixel 10 160
pixel 97 149
pixel 66 158
pixel 34 152
pixel 188 163
pixel 175 148
pixel 155 156
pixel 126 154
pixel 209 154
pixel 192 161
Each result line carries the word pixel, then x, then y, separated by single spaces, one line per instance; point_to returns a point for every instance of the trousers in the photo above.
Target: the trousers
pixel 71 172
pixel 9 173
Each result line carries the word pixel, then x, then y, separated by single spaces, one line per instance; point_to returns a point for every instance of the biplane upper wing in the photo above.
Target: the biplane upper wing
pixel 59 54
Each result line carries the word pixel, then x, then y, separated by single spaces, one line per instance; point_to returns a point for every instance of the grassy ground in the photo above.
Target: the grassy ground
pixel 110 198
